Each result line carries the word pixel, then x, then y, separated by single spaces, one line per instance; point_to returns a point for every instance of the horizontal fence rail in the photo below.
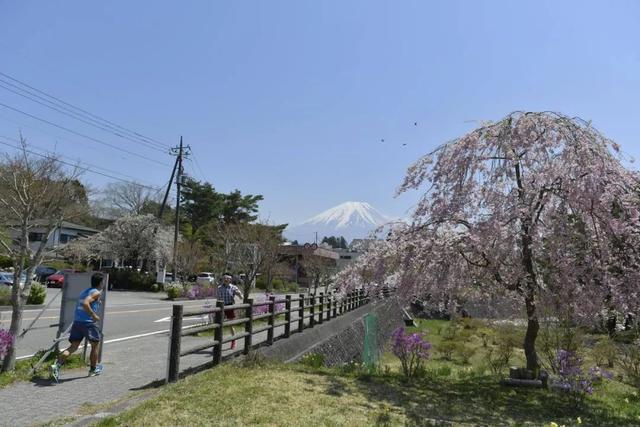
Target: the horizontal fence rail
pixel 317 309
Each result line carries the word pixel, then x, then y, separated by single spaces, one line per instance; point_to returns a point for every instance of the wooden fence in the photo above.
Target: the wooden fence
pixel 317 309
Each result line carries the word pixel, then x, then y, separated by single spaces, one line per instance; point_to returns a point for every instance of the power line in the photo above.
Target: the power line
pixel 76 116
pixel 195 161
pixel 139 135
pixel 82 135
pixel 86 169
pixel 53 153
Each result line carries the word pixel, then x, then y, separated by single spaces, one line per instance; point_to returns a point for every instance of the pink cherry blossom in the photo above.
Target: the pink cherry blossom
pixel 535 210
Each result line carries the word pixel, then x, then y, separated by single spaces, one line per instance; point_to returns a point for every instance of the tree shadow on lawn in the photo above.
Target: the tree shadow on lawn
pixel 482 401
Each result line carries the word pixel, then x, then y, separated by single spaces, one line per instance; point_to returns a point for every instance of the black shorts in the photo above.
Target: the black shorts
pixel 229 314
pixel 81 330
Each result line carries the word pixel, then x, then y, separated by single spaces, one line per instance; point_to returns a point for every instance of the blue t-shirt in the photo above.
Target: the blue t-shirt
pixel 81 314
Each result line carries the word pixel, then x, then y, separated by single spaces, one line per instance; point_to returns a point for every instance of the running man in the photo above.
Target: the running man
pixel 227 293
pixel 85 326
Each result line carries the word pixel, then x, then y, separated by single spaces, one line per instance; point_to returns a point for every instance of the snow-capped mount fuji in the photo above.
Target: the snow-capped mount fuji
pixel 353 220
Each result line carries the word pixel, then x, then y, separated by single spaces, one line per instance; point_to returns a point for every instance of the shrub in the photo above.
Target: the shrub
pixel 37 294
pixel 556 336
pixel 443 371
pixel 131 280
pixel 199 291
pixel 604 353
pixel 471 323
pixel 5 295
pixel 629 362
pixel 411 349
pixel 571 376
pixel 291 287
pixel 174 290
pixel 498 358
pixel 6 341
pixel 447 348
pixel 466 353
pixel 5 261
pixel 263 309
pixel 314 360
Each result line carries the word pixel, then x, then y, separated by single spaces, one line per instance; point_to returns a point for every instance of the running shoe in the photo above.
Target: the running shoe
pixel 54 372
pixel 95 371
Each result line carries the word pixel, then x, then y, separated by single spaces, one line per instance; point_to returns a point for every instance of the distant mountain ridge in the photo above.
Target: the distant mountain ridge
pixel 353 220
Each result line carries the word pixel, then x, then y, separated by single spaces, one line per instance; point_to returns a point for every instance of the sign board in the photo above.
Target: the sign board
pixel 74 284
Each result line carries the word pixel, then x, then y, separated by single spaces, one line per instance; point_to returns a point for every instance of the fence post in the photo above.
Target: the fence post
pixel 272 319
pixel 287 316
pixel 321 312
pixel 329 299
pixel 248 326
pixel 174 344
pixel 335 304
pixel 301 313
pixel 312 307
pixel 218 332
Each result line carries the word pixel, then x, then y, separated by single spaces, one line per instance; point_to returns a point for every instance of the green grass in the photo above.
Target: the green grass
pixel 21 373
pixel 295 395
pixel 448 392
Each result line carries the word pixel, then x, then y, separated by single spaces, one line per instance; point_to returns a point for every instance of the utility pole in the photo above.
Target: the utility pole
pixel 180 151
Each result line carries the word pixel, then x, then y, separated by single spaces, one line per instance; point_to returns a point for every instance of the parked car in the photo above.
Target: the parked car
pixel 56 280
pixel 205 279
pixel 43 271
pixel 6 278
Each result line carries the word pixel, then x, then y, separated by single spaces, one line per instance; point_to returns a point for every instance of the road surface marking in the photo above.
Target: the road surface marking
pixel 187 319
pixel 131 337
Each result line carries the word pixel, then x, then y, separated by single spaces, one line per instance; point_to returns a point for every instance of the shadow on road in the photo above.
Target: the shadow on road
pixel 46 382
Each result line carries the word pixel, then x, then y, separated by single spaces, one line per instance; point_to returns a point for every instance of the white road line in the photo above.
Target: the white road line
pixel 126 338
pixel 165 303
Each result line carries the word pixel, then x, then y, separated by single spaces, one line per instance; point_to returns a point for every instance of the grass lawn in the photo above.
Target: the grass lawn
pixel 448 393
pixel 23 367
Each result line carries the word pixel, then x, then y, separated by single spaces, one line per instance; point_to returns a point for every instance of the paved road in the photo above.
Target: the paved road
pixel 128 314
pixel 129 366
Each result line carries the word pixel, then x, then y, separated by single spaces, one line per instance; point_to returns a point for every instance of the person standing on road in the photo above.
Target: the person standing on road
pixel 227 293
pixel 85 326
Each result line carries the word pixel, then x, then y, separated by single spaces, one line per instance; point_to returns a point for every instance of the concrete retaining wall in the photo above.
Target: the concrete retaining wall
pixel 340 340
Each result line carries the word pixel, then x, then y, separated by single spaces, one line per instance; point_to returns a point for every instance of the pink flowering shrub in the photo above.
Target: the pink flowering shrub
pixel 201 292
pixel 6 341
pixel 263 309
pixel 411 349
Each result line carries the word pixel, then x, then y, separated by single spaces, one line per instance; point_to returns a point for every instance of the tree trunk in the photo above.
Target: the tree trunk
pixel 533 326
pixel 9 362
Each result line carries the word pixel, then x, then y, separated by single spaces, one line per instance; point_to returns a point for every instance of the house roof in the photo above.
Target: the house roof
pixel 67 224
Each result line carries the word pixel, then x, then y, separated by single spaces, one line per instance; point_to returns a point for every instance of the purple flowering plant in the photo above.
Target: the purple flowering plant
pixel 201 292
pixel 412 350
pixel 6 341
pixel 263 309
pixel 573 379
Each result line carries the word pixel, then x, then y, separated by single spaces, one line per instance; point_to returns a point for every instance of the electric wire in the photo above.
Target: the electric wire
pixel 86 169
pixel 94 116
pixel 55 154
pixel 74 115
pixel 83 135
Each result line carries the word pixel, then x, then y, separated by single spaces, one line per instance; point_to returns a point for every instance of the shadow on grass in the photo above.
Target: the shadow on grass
pixel 479 401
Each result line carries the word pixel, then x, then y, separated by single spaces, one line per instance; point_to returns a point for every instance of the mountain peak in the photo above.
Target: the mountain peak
pixel 350 219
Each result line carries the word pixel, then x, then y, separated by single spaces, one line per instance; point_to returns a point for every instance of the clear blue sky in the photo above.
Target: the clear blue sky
pixel 291 99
